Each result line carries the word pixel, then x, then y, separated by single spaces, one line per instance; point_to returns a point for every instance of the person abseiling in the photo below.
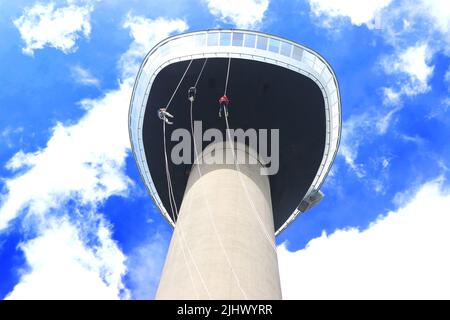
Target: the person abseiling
pixel 224 102
pixel 163 115
pixel 191 94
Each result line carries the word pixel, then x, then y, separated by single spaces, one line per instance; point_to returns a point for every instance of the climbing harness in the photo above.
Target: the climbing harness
pixel 191 94
pixel 164 115
pixel 223 102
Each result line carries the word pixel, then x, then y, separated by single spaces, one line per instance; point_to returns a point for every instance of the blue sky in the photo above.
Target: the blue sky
pixel 75 219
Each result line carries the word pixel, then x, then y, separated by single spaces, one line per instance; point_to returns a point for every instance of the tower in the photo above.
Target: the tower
pixel 284 104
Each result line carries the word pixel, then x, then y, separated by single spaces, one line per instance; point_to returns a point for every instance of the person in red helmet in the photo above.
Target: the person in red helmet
pixel 223 102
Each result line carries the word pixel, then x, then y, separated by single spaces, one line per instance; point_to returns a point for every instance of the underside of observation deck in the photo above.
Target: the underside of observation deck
pixel 263 96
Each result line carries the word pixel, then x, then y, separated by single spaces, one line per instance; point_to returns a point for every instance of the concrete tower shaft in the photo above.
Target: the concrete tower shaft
pixel 225 235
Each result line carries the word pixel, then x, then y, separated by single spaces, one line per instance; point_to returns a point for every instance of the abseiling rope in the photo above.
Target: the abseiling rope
pixel 172 197
pixel 167 171
pixel 201 72
pixel 180 229
pixel 238 168
pixel 190 111
pixel 208 206
pixel 179 83
pixel 172 201
pixel 255 212
pixel 228 76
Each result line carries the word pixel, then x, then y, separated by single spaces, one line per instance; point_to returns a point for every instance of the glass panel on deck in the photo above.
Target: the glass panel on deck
pixel 250 40
pixel 286 49
pixel 297 53
pixel 225 38
pixel 213 39
pixel 200 40
pixel 261 43
pixel 274 45
pixel 238 39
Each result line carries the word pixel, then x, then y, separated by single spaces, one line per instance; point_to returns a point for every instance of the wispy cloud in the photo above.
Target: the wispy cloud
pixel 447 77
pixel 244 14
pixel 383 121
pixel 412 70
pixel 416 30
pixel 353 132
pixel 357 131
pixel 146 33
pixel 416 139
pixel 83 76
pixel 9 136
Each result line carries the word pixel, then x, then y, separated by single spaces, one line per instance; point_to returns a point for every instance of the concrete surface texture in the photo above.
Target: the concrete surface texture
pixel 223 245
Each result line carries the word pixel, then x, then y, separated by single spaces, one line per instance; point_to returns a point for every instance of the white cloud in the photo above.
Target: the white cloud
pixel 438 11
pixel 424 21
pixel 45 25
pixel 357 131
pixel 446 103
pixel 359 12
pixel 351 140
pixel 244 14
pixel 412 69
pixel 401 255
pixel 84 76
pixel 447 77
pixel 144 265
pixel 416 139
pixel 391 96
pixel 84 161
pixel 64 267
pixel 11 136
pixel 386 15
pixel 416 30
pixel 146 34
pixel 82 164
pixel 383 121
pixel 412 66
pixel 19 161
